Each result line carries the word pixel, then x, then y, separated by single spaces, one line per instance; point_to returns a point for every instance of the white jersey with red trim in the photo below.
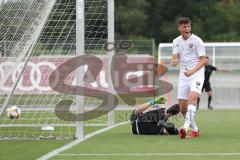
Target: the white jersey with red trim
pixel 189 51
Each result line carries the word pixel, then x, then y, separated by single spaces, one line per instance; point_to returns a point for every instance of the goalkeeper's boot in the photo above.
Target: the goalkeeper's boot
pixel 194 134
pixel 158 100
pixel 182 133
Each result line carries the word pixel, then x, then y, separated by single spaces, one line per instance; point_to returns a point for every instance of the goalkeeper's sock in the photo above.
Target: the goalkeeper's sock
pixel 192 110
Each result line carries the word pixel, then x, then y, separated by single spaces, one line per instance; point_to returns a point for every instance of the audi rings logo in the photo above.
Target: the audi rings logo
pixel 35 77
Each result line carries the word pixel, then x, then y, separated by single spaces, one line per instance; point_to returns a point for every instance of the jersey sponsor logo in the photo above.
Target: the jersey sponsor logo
pixel 190 45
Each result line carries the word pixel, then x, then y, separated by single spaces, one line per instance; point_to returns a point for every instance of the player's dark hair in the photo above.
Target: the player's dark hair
pixel 174 109
pixel 183 20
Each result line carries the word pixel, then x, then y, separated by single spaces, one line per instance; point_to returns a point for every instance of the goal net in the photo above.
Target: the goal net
pixel 225 85
pixel 36 37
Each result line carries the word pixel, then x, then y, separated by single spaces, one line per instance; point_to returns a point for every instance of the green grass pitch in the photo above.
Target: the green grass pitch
pixel 219 129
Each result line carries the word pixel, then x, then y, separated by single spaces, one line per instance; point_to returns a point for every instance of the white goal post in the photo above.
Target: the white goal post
pixel 226 87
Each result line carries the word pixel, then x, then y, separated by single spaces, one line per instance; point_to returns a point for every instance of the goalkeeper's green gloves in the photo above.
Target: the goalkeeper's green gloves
pixel 158 100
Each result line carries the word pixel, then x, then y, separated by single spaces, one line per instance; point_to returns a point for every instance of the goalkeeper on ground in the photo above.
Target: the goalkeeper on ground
pixel 154 121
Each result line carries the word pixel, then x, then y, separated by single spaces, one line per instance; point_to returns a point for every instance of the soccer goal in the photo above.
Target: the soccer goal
pixel 225 85
pixel 36 37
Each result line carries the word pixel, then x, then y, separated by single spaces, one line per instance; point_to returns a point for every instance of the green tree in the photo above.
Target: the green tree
pixel 213 20
pixel 130 18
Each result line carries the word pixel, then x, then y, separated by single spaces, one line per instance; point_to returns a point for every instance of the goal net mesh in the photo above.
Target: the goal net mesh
pixel 46 30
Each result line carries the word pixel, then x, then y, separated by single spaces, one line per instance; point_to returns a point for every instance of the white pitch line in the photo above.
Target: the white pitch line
pixel 153 154
pixel 70 145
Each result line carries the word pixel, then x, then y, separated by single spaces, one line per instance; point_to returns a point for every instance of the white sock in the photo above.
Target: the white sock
pixel 192 110
pixel 187 121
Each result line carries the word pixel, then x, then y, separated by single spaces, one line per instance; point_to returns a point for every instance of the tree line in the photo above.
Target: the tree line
pixel 213 20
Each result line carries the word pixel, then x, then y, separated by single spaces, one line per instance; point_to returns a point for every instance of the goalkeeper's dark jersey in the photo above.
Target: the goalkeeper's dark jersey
pixel 148 123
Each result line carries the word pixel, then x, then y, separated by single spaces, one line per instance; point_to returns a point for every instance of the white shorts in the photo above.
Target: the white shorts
pixel 193 83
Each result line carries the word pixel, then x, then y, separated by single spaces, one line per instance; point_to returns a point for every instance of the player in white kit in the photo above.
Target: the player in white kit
pixel 189 52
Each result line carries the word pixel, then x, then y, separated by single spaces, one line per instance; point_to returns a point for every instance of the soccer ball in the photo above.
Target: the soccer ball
pixel 13 112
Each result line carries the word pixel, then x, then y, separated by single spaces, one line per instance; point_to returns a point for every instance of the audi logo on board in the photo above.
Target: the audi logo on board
pixel 35 78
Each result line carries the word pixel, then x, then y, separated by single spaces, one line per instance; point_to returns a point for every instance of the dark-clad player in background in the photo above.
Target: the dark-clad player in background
pixel 207 85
